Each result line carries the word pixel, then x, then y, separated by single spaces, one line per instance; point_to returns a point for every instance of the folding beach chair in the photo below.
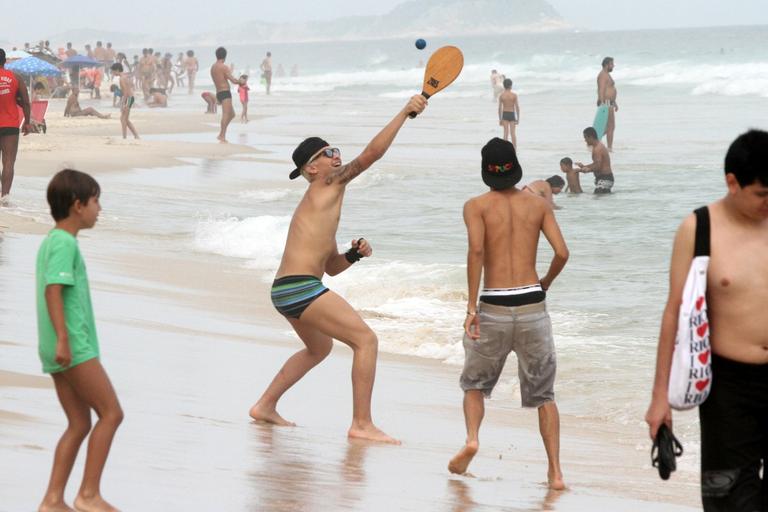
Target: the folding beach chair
pixel 38 108
pixel 37 113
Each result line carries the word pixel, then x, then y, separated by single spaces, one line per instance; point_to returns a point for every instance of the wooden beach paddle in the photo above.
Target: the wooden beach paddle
pixel 443 67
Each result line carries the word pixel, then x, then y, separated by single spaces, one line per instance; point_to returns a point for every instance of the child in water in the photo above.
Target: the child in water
pixel 242 90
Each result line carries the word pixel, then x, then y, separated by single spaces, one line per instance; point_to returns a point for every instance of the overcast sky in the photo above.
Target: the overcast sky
pixel 33 20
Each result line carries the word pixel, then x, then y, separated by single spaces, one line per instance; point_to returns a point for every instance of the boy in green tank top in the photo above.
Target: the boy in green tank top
pixel 68 345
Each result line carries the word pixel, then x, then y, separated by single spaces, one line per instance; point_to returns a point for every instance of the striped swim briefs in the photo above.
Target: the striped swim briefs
pixel 291 295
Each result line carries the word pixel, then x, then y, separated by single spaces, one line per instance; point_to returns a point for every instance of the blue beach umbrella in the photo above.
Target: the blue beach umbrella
pixel 81 61
pixel 32 66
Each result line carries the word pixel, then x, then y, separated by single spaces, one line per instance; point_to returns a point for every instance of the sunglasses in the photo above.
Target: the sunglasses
pixel 329 152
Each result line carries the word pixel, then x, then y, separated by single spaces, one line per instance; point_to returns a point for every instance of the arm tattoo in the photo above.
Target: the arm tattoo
pixel 346 173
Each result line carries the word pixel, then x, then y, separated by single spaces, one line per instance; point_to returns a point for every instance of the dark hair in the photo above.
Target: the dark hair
pixel 221 53
pixel 607 61
pixel 269 54
pixel 507 83
pixel 113 88
pixel 190 53
pixel 2 57
pixel 98 43
pixel 747 156
pixel 566 160
pixel 117 67
pixel 38 86
pixel 243 76
pixel 68 186
pixel 555 181
pixel 590 132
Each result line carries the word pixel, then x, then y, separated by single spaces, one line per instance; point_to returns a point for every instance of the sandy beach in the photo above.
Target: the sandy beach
pixel 190 340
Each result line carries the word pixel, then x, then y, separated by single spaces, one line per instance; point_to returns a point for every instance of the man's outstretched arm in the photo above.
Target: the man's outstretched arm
pixel 379 144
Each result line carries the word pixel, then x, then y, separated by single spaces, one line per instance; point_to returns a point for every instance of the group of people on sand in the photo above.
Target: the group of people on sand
pixel 157 70
pixel 150 74
pixel 600 167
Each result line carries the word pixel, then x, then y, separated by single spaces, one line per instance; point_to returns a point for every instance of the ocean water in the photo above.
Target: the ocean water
pixel 684 95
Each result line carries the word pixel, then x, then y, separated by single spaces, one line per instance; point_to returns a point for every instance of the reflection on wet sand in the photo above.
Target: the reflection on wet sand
pixel 211 166
pixel 462 496
pixel 352 465
pixel 283 477
pixel 551 498
pixel 294 471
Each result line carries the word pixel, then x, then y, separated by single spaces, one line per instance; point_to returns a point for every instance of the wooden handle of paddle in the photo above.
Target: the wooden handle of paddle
pixel 414 114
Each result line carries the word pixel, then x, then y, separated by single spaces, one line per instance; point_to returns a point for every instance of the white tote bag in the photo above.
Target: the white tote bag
pixel 690 377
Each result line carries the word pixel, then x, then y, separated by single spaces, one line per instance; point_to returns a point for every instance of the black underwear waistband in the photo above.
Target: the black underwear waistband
pixel 512 297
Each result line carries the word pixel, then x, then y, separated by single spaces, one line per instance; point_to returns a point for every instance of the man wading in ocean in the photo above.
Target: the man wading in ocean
pixel 317 314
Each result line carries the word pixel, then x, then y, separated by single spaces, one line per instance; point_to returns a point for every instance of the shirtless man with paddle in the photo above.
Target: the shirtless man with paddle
pixel 317 314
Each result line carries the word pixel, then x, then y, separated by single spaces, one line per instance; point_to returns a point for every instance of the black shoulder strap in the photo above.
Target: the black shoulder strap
pixel 702 232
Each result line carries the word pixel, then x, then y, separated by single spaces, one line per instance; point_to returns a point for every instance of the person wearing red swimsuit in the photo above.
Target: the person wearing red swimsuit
pixel 11 97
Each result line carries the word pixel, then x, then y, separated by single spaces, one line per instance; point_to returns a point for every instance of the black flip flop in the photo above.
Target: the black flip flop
pixel 665 449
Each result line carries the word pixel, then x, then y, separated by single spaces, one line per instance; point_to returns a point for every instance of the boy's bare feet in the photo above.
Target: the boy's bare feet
pixel 370 432
pixel 460 462
pixel 267 415
pixel 93 504
pixel 55 507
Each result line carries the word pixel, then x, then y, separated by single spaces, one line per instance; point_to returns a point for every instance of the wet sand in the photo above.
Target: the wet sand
pixel 187 373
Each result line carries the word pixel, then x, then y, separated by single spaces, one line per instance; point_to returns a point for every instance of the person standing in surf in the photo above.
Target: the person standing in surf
pixel 503 228
pixel 221 74
pixel 317 314
pixel 509 112
pixel 606 95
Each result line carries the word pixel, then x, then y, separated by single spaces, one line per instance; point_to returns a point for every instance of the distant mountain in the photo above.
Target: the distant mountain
pixel 422 18
pixel 415 18
pixel 81 36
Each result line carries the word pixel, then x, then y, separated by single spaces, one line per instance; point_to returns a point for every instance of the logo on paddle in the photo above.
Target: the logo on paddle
pixel 433 82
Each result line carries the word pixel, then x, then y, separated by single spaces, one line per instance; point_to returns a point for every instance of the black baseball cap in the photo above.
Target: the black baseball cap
pixel 304 152
pixel 500 168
